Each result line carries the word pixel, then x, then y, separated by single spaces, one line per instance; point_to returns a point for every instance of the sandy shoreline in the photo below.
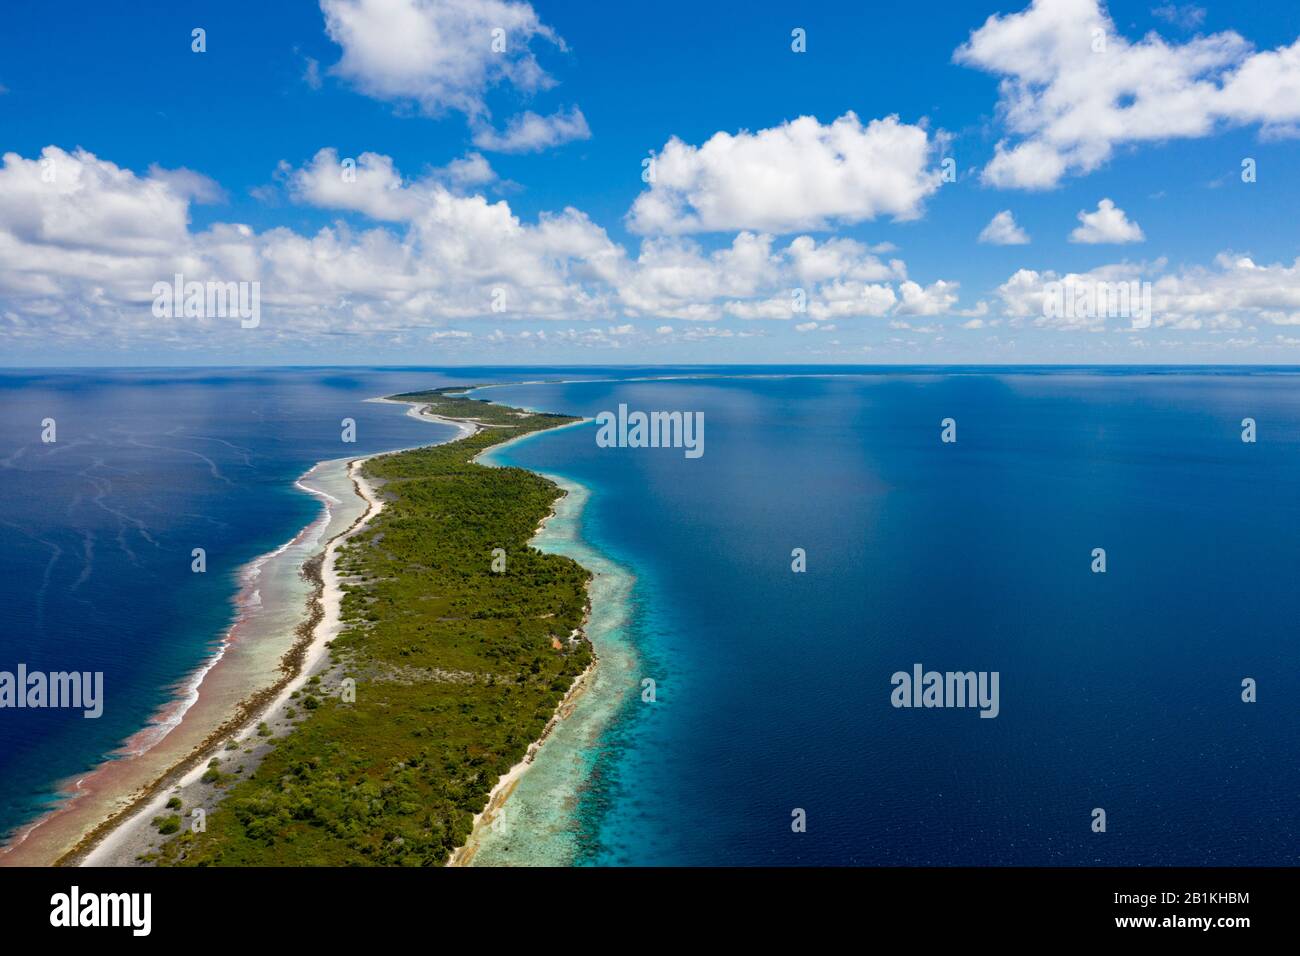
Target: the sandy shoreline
pixel 464 427
pixel 505 787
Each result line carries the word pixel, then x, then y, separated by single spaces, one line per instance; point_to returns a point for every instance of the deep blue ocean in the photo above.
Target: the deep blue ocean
pixel 1119 690
pixel 97 529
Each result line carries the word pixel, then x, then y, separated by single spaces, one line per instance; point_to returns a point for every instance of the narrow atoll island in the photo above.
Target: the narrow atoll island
pixel 458 644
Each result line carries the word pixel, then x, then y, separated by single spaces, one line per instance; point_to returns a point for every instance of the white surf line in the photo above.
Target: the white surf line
pixel 170 715
pixel 326 629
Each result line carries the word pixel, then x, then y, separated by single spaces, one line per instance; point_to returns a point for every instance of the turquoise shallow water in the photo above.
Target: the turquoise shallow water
pixel 541 824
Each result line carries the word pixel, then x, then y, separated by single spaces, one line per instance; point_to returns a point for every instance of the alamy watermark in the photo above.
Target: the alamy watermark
pixel 922 688
pixel 652 430
pixel 77 690
pixel 179 299
pixel 1096 299
pixel 75 908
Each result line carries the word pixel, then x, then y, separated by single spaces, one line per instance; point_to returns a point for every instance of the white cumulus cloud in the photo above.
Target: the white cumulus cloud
pixel 1003 231
pixel 935 299
pixel 798 176
pixel 438 54
pixel 1233 292
pixel 530 133
pixel 1106 224
pixel 1073 88
pixel 83 243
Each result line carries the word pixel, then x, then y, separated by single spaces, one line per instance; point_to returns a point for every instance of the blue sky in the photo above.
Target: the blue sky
pixel 410 257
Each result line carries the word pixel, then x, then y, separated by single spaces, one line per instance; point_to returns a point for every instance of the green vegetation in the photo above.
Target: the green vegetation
pixel 457 669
